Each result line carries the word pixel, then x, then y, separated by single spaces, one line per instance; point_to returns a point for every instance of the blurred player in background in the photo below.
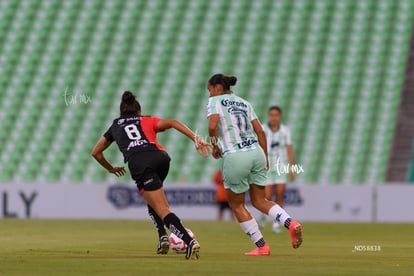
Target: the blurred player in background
pixel 238 137
pixel 221 197
pixel 280 150
pixel 148 163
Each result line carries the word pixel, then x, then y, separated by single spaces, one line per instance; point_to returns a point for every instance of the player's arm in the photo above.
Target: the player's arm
pixel 291 160
pixel 213 121
pixel 261 136
pixel 165 124
pixel 97 153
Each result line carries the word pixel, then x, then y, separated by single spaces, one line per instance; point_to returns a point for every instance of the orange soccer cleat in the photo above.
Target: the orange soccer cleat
pixel 259 251
pixel 295 230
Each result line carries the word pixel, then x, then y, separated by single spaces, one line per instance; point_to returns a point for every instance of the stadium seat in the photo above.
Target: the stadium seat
pixel 335 68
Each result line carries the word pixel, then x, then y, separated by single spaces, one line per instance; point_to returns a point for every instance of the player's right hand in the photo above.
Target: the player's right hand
pixel 201 146
pixel 118 171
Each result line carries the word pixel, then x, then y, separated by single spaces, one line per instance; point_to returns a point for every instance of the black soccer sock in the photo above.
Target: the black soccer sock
pixel 287 223
pixel 159 224
pixel 174 224
pixel 260 243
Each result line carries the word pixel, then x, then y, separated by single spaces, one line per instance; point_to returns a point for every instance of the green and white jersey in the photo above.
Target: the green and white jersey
pixel 277 142
pixel 235 128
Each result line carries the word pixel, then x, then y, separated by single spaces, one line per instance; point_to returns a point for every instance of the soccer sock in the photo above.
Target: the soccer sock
pixel 278 214
pixel 251 229
pixel 159 224
pixel 174 224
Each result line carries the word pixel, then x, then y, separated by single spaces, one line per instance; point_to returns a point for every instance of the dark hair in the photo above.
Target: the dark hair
pixel 129 104
pixel 275 107
pixel 225 81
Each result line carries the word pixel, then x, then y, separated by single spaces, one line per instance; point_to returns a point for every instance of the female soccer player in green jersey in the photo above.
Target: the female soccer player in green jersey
pixel 280 150
pixel 238 137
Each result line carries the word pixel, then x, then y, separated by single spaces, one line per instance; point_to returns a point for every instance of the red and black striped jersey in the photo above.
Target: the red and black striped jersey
pixel 134 134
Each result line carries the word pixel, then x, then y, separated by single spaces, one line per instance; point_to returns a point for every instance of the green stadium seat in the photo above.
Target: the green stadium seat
pixel 335 67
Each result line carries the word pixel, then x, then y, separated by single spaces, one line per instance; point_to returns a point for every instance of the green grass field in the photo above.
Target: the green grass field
pixel 89 247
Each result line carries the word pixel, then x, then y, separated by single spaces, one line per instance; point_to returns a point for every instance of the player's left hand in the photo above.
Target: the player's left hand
pixel 118 171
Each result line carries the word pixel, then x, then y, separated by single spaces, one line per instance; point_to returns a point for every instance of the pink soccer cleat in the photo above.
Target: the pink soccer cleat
pixel 295 230
pixel 259 251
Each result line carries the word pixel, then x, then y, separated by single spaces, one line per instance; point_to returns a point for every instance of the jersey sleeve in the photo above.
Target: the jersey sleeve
pixel 288 137
pixel 108 135
pixel 212 107
pixel 155 121
pixel 252 114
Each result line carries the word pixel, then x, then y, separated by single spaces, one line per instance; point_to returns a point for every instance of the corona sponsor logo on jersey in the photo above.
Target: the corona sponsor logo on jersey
pixel 234 107
pixel 228 103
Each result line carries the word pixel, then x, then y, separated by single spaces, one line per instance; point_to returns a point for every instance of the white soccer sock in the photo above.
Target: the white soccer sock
pixel 279 215
pixel 251 228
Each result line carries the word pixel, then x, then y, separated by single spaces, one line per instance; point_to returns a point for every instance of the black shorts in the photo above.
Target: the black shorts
pixel 223 205
pixel 149 169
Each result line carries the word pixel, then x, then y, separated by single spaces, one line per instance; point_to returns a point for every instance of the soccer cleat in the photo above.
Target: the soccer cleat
pixel 259 251
pixel 163 246
pixel 295 230
pixel 193 250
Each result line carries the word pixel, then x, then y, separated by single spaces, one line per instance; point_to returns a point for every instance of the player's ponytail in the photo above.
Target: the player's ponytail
pixel 225 81
pixel 128 97
pixel 129 104
pixel 230 80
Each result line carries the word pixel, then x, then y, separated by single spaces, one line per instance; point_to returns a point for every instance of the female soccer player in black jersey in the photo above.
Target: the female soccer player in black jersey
pixel 148 163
